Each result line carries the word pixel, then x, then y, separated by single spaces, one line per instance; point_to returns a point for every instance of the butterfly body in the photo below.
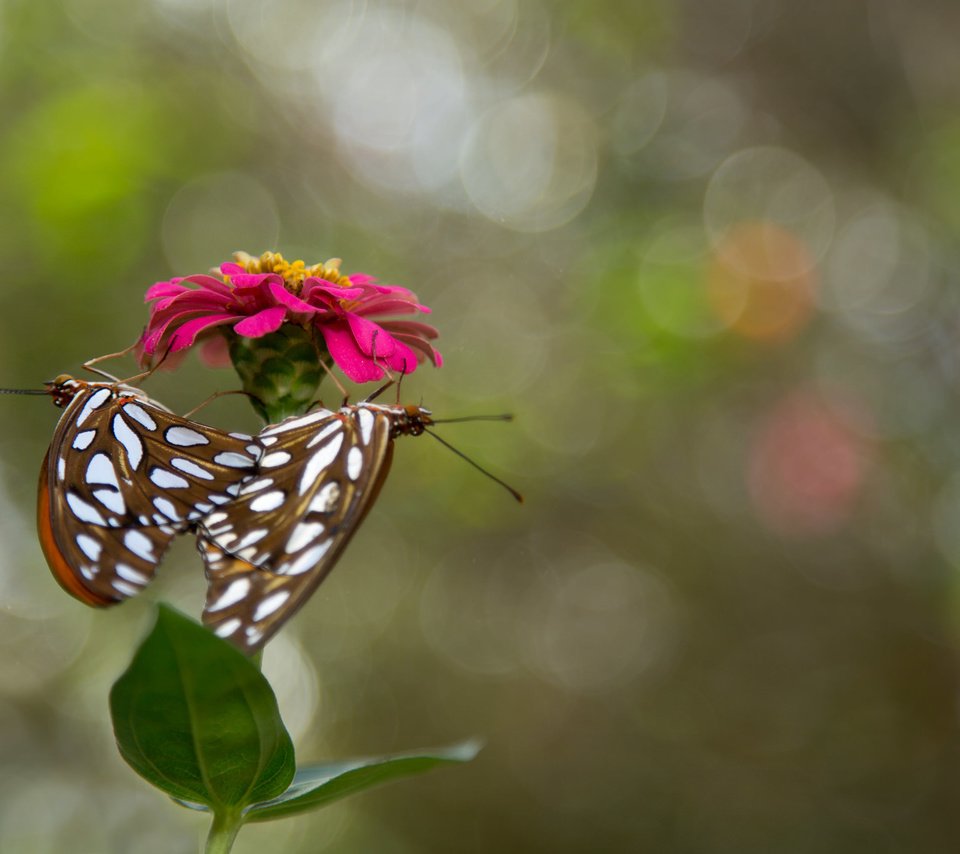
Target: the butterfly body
pixel 122 477
pixel 317 477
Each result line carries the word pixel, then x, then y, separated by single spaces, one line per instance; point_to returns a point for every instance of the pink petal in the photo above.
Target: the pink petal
pixel 215 351
pixel 313 285
pixel 345 352
pixel 261 323
pixel 206 282
pixel 369 335
pixel 158 326
pixel 388 305
pixel 231 269
pixel 192 301
pixel 253 280
pixel 410 327
pixel 171 361
pixel 422 348
pixel 361 279
pixel 187 334
pixel 284 297
pixel 403 360
pixel 163 289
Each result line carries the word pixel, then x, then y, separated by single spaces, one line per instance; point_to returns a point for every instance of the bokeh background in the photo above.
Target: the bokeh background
pixel 706 250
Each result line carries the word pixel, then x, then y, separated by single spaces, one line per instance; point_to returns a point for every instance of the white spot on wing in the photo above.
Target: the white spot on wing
pixel 251 538
pixel 297 421
pixel 354 463
pixel 268 501
pixel 167 479
pixel 190 467
pixel 130 574
pixel 366 419
pixel 256 485
pixel 130 440
pixel 326 499
pixel 97 399
pixel 124 588
pixel 89 546
pixel 326 431
pixel 304 534
pixel 224 630
pixel 307 561
pixel 140 544
pixel 319 461
pixel 83 511
pixel 165 506
pixel 223 540
pixel 184 437
pixel 61 469
pixel 83 439
pixel 218 530
pixel 140 415
pixel 233 460
pixel 100 470
pixel 270 604
pixel 235 592
pixel 277 458
pixel 112 500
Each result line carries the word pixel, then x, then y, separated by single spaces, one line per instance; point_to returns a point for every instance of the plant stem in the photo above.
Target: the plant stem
pixel 223 832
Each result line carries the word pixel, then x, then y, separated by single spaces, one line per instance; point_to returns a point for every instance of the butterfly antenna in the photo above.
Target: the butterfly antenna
pixel 23 391
pixel 506 416
pixel 477 466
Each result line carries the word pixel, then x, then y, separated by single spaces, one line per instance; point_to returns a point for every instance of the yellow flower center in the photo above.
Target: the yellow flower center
pixel 293 273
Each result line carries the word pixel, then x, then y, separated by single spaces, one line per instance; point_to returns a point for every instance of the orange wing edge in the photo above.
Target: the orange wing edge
pixel 65 575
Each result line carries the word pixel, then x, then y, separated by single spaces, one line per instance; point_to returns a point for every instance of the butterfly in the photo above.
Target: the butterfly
pixel 122 477
pixel 317 477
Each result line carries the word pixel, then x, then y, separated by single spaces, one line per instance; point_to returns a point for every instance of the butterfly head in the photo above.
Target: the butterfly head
pixel 63 389
pixel 411 420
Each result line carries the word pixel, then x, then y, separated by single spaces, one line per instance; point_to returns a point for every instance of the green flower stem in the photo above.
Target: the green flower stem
pixel 223 832
pixel 281 371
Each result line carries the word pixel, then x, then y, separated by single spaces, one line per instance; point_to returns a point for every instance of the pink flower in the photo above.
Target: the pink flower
pixel 255 296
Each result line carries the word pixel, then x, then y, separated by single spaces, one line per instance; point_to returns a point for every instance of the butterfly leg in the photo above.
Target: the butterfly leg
pixel 89 364
pixel 391 379
pixel 214 396
pixel 326 367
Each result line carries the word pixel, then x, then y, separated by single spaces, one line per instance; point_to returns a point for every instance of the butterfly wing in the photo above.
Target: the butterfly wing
pixel 122 477
pixel 266 552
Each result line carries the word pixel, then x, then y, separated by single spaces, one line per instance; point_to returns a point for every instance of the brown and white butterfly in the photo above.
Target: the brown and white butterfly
pixel 319 474
pixel 122 477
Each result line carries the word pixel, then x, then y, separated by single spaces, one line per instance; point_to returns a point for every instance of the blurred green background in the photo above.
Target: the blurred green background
pixel 706 250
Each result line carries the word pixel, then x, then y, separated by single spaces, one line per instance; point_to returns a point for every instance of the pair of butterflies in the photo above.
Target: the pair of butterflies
pixel 123 476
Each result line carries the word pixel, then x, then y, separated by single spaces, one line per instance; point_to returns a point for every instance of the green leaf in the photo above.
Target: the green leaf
pixel 317 786
pixel 196 719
